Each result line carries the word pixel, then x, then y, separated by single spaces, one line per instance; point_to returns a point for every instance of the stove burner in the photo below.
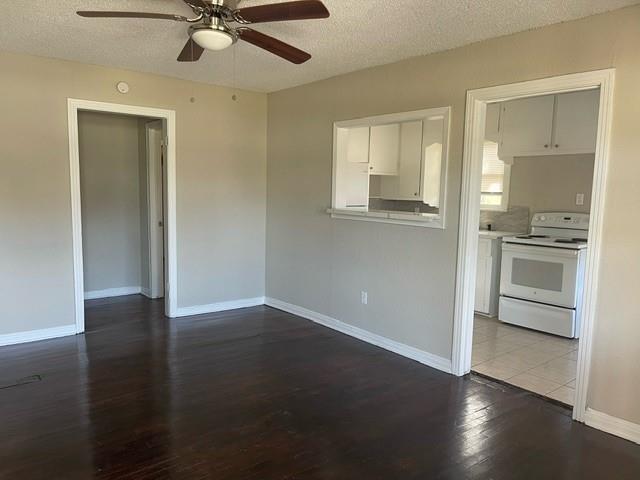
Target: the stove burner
pixel 579 240
pixel 565 240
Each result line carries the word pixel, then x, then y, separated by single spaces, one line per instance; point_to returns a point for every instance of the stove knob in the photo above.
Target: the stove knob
pixel 543 218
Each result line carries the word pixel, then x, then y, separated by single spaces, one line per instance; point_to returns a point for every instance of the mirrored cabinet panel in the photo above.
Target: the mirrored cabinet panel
pixel 392 167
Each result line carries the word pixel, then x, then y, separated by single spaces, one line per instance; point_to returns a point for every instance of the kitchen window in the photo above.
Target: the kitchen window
pixel 495 179
pixel 392 168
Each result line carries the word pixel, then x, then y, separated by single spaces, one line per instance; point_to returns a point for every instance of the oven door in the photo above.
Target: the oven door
pixel 541 274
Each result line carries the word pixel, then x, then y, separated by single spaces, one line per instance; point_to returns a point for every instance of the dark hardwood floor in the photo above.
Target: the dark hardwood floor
pixel 261 394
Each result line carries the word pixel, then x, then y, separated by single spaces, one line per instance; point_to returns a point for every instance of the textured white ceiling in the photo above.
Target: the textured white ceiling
pixel 359 34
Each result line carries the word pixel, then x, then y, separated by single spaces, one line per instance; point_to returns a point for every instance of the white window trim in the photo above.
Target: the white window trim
pixel 429 220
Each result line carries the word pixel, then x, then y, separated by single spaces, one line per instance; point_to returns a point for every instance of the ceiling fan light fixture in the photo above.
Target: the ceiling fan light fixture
pixel 212 39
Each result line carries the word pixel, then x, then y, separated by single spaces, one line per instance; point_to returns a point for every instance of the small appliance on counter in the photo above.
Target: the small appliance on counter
pixel 542 274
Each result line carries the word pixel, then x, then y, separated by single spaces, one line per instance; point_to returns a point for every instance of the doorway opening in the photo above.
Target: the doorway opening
pixel 532 295
pixel 123 203
pixel 121 187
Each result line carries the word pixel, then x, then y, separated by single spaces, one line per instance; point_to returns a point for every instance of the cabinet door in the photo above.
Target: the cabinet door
pixel 351 188
pixel 483 277
pixel 576 122
pixel 384 149
pixel 526 127
pixel 492 125
pixel 406 185
pixel 358 145
pixel 357 186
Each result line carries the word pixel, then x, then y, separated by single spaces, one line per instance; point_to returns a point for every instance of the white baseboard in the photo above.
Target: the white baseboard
pixel 613 425
pixel 413 353
pixel 219 307
pixel 35 335
pixel 112 292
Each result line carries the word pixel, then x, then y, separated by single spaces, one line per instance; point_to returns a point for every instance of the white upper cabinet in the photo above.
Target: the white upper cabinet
pixel 406 184
pixel 434 144
pixel 576 124
pixel 352 179
pixel 358 145
pixel 526 127
pixel 560 124
pixel 492 127
pixel 384 149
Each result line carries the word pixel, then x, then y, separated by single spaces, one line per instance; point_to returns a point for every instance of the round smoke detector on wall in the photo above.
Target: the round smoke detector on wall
pixel 123 87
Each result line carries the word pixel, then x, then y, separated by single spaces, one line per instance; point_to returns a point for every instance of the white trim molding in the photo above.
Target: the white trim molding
pixel 407 351
pixel 169 122
pixel 36 335
pixel 477 101
pixel 613 425
pixel 219 307
pixel 112 292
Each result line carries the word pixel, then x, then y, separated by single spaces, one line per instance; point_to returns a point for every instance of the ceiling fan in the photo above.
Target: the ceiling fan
pixel 210 27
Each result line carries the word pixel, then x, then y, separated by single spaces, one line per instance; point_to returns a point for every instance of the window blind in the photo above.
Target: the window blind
pixel 492 169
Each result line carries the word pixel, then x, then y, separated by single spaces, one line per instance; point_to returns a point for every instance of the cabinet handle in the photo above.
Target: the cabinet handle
pixel 557 146
pixel 546 146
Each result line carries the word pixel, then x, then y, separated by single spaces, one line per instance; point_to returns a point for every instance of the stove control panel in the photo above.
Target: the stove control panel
pixel 561 220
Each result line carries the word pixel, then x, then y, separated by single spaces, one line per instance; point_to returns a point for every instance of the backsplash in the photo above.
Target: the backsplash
pixel 515 219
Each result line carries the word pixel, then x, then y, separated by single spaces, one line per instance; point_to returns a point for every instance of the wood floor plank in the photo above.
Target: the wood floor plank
pixel 261 394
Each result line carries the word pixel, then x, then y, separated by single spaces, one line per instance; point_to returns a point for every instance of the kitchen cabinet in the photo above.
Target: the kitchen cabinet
pixel 388 167
pixel 526 127
pixel 358 145
pixel 560 124
pixel 384 149
pixel 576 122
pixel 406 184
pixel 492 124
pixel 488 275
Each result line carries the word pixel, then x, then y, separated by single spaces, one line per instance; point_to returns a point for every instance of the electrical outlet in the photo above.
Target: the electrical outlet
pixel 579 198
pixel 364 297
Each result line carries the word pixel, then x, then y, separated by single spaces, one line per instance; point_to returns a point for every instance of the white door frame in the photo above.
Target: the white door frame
pixel 169 122
pixel 155 208
pixel 477 101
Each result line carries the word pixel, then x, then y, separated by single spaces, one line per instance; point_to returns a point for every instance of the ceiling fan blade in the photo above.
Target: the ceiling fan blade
pixel 277 12
pixel 160 16
pixel 191 52
pixel 196 3
pixel 273 45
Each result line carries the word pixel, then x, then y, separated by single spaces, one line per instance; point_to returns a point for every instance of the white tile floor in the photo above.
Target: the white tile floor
pixel 536 361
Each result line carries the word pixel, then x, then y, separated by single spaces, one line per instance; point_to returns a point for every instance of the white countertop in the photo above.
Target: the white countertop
pixel 495 234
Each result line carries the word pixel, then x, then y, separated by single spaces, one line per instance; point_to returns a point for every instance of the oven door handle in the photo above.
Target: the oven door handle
pixel 535 250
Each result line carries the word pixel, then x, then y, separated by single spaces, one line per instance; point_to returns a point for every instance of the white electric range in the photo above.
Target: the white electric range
pixel 542 275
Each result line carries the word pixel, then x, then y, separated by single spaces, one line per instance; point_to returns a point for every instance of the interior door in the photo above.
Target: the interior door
pixel 155 162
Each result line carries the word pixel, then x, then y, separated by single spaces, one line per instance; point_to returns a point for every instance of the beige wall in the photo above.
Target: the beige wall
pixel 111 202
pixel 550 183
pixel 323 264
pixel 221 155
